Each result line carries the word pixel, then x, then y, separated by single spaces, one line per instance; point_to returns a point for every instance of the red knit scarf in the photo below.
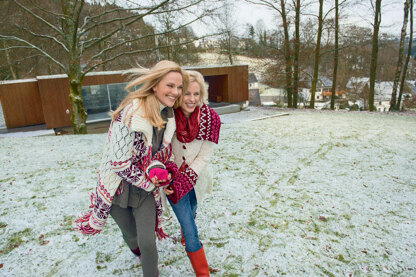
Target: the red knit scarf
pixel 187 128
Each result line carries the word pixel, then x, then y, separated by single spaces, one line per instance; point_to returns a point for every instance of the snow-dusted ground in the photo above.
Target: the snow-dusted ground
pixel 308 194
pixel 2 122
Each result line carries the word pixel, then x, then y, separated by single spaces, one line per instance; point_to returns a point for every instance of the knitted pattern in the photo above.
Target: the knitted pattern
pixel 127 155
pixel 182 184
pixel 209 125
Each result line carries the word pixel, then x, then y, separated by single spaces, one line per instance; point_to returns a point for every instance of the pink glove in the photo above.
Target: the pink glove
pixel 161 174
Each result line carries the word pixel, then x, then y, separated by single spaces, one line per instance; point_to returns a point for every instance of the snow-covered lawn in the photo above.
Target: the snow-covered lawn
pixel 307 194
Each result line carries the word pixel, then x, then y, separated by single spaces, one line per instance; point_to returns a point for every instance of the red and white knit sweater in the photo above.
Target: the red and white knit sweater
pixel 127 155
pixel 193 158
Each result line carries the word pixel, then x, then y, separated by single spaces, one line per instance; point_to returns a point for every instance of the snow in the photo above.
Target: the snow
pixel 36 133
pixel 307 194
pixel 17 81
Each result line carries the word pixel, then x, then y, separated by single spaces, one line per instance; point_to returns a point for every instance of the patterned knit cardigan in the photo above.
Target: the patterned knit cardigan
pixel 127 155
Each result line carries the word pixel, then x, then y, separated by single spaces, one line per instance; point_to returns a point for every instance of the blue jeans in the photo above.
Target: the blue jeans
pixel 185 211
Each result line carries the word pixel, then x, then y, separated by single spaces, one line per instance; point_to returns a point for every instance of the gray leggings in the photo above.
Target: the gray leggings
pixel 138 228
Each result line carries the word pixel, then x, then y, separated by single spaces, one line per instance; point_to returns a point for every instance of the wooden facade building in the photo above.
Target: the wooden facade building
pixel 44 99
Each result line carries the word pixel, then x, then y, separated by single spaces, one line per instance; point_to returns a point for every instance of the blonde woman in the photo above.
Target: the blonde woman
pixel 197 132
pixel 137 153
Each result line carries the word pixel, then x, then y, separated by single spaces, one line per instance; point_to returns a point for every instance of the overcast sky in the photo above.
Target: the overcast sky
pixel 392 15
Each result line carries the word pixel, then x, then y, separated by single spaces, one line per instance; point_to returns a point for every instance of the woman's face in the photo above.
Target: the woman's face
pixel 169 89
pixel 191 99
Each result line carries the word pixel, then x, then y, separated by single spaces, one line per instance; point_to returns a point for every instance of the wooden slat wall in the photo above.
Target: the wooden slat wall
pixel 55 102
pixel 237 81
pixel 55 96
pixel 21 104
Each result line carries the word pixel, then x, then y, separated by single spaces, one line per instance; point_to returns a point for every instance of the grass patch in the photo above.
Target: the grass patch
pixel 15 240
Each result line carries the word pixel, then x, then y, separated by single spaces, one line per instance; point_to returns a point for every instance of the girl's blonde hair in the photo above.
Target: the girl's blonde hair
pixel 142 83
pixel 195 76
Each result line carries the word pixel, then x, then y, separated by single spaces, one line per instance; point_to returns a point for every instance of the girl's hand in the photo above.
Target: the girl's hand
pixel 167 190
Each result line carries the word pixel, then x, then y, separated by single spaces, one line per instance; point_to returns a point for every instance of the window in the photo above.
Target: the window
pixel 103 98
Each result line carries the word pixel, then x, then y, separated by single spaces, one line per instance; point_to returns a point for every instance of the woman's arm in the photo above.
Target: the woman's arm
pixel 203 157
pixel 188 174
pixel 123 145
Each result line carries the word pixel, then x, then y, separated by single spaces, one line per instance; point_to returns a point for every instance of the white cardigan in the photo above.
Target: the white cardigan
pixel 197 156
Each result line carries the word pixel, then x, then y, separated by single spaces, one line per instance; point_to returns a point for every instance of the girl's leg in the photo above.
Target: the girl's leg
pixel 145 218
pixel 193 202
pixel 125 221
pixel 185 217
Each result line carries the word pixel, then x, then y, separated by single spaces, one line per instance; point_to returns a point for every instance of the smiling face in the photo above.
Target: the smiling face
pixel 169 89
pixel 191 99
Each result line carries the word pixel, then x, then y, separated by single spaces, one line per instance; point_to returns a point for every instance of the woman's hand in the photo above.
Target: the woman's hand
pixel 159 176
pixel 168 190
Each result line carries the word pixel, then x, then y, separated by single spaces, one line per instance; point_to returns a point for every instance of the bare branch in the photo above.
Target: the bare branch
pixel 44 36
pixel 178 8
pixel 145 36
pixel 92 18
pixel 266 4
pixel 144 51
pixel 33 47
pixel 138 17
pixel 45 10
pixel 50 25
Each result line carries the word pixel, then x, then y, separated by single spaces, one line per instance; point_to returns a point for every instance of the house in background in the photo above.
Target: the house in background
pixel 359 88
pixel 324 84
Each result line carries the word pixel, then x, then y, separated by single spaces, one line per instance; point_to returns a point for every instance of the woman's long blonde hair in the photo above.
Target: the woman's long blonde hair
pixel 195 76
pixel 142 83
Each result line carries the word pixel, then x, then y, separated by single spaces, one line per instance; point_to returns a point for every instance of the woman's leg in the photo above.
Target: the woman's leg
pixel 193 202
pixel 185 217
pixel 125 221
pixel 145 218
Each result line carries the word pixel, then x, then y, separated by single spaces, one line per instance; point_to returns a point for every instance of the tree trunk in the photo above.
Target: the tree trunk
pixel 230 54
pixel 374 52
pixel 75 74
pixel 317 55
pixel 296 56
pixel 334 77
pixel 399 67
pixel 78 115
pixel 9 63
pixel 409 50
pixel 288 62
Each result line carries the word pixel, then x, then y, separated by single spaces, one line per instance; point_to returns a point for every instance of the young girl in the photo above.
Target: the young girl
pixel 136 162
pixel 197 132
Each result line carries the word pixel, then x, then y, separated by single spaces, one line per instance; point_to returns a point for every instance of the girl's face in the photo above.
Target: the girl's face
pixel 169 89
pixel 191 99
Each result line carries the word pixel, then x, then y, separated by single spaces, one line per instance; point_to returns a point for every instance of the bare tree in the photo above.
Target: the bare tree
pixel 399 66
pixel 317 54
pixel 287 53
pixel 72 31
pixel 409 50
pixel 227 26
pixel 280 8
pixel 336 50
pixel 296 4
pixel 374 52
